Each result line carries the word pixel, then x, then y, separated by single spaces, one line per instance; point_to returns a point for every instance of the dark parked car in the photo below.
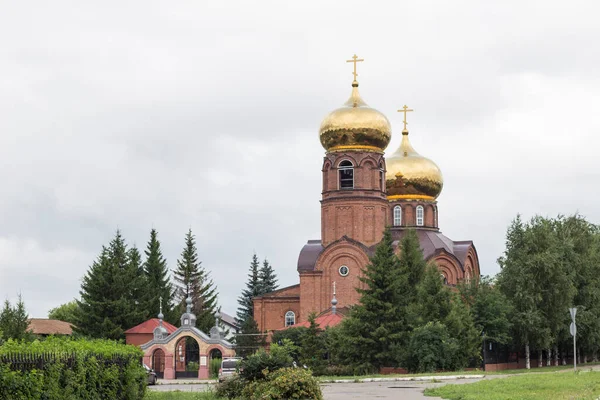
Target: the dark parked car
pixel 151 375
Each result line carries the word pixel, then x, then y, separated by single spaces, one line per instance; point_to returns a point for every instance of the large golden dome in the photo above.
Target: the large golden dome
pixel 409 175
pixel 355 126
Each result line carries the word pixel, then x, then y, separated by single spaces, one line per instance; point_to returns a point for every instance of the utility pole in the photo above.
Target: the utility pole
pixel 573 329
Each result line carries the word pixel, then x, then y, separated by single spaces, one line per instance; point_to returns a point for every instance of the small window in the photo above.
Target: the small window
pixel 381 177
pixel 290 318
pixel 344 270
pixel 420 216
pixel 444 279
pixel 346 175
pixel 397 216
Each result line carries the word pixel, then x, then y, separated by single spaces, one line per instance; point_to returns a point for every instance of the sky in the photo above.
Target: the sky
pixel 135 115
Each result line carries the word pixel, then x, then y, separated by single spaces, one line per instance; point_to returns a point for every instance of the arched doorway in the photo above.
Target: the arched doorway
pixel 214 364
pixel 158 363
pixel 187 358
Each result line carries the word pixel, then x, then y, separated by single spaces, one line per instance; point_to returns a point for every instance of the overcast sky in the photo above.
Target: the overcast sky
pixel 205 115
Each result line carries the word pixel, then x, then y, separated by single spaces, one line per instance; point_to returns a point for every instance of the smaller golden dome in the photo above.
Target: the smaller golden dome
pixel 355 126
pixel 409 175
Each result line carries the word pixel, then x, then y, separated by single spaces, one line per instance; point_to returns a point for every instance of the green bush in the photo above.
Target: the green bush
pixel 58 369
pixel 431 348
pixel 192 366
pixel 231 388
pixel 294 335
pixel 258 364
pixel 214 367
pixel 285 383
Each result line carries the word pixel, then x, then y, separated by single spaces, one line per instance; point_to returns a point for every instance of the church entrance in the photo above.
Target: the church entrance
pixel 187 358
pixel 158 363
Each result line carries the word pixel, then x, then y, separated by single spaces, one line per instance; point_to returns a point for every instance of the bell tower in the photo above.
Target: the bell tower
pixel 354 202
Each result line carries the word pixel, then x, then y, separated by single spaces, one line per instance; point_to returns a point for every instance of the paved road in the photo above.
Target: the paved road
pixel 405 390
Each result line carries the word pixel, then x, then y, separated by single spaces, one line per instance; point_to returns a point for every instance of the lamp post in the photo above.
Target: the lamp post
pixel 573 330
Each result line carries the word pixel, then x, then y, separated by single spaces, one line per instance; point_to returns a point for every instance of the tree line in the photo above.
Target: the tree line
pixel 122 289
pixel 408 318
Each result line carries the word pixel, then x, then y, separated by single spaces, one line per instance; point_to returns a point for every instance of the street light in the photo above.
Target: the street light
pixel 573 330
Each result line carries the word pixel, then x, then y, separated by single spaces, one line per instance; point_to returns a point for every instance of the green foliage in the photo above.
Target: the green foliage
pixel 312 347
pixel 14 321
pixel 179 395
pixel 231 388
pixel 250 340
pixel 213 368
pixel 193 280
pixel 252 290
pixel 283 384
pixel 375 325
pixel 80 369
pixel 257 365
pixel 110 293
pixel 267 278
pixel 157 280
pixel 431 348
pixel 65 312
pixel 192 366
pixel 294 335
pixel 525 387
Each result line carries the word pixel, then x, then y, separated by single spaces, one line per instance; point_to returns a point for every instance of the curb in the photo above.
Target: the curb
pixel 400 379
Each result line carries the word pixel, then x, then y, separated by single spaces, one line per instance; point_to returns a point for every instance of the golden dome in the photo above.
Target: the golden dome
pixel 409 175
pixel 355 126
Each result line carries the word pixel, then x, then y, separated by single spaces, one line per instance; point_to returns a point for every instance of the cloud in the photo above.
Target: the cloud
pixel 199 115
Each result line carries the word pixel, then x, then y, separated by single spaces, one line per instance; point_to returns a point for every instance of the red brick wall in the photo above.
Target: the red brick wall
pixel 138 339
pixel 269 311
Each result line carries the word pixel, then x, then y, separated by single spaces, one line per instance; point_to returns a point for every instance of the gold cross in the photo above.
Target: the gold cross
pixel 355 60
pixel 405 109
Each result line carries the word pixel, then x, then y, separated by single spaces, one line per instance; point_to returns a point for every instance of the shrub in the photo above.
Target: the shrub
pixel 258 364
pixel 339 370
pixel 231 388
pixel 192 366
pixel 214 367
pixel 294 335
pixel 431 348
pixel 57 369
pixel 285 383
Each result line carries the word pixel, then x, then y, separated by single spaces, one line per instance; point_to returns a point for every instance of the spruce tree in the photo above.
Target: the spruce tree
pixel 250 340
pixel 193 280
pixel 253 289
pixel 374 329
pixel 14 321
pixel 110 293
pixel 411 263
pixel 313 347
pixel 157 279
pixel 267 278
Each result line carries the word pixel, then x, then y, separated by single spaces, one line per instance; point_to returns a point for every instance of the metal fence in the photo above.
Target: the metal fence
pixel 40 361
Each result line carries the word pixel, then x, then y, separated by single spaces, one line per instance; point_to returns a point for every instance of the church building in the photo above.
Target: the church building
pixel 363 192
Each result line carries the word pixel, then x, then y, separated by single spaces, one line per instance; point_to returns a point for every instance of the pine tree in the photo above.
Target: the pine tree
pixel 193 280
pixel 110 293
pixel 253 289
pixel 14 321
pixel 250 340
pixel 157 278
pixel 267 278
pixel 374 329
pixel 312 347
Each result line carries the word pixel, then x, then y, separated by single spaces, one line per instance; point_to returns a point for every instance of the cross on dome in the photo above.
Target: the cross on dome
pixel 404 110
pixel 355 60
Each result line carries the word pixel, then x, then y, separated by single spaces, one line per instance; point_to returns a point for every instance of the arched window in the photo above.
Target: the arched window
pixel 420 216
pixel 381 177
pixel 346 171
pixel 444 279
pixel 468 275
pixel 290 318
pixel 397 216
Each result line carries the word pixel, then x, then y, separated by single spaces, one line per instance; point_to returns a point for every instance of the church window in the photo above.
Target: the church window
pixel 397 216
pixel 344 270
pixel 290 318
pixel 381 177
pixel 420 217
pixel 346 171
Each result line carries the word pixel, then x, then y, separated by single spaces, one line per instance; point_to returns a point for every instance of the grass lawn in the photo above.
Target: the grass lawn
pixel 178 395
pixel 557 386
